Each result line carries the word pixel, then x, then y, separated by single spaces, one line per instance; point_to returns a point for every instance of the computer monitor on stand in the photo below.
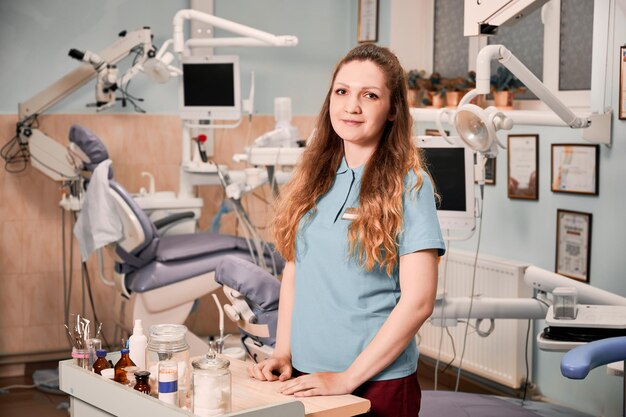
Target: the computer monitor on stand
pixel 452 170
pixel 210 88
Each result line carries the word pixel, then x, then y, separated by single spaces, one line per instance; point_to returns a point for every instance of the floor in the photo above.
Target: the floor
pixel 32 402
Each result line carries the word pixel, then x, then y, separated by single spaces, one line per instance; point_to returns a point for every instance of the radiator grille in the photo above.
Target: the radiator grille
pixel 500 356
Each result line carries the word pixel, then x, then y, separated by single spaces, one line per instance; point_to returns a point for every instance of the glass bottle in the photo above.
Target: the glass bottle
pixel 142 384
pixel 130 374
pixel 123 362
pixel 211 386
pixel 101 363
pixel 167 343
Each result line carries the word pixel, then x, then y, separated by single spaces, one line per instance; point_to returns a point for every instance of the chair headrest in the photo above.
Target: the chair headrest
pixel 90 145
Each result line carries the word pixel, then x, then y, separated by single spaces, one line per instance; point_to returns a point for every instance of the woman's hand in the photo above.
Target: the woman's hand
pixel 320 383
pixel 267 369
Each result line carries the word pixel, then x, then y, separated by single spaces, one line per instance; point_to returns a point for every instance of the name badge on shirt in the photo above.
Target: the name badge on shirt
pixel 349 214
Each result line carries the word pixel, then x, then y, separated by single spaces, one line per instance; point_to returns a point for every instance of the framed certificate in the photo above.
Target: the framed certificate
pixel 368 21
pixel 575 168
pixel 523 167
pixel 435 132
pixel 622 83
pixel 573 244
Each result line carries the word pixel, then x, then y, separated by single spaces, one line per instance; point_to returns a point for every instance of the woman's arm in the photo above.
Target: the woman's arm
pixel 418 284
pixel 281 358
pixel 285 308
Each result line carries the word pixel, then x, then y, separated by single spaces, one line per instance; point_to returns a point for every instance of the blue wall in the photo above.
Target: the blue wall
pixel 35 36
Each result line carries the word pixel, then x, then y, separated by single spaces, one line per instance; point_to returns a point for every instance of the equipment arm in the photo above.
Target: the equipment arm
pixel 251 36
pixel 48 155
pixel 69 83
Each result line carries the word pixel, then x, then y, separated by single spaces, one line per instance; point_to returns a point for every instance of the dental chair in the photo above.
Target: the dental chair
pixel 158 278
pixel 578 362
pixel 253 294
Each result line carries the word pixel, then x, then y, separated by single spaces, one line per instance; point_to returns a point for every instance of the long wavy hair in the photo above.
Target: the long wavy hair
pixel 373 235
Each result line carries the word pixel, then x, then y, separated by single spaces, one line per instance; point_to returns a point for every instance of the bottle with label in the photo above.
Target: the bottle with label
pixel 120 371
pixel 137 344
pixel 167 342
pixel 168 382
pixel 101 363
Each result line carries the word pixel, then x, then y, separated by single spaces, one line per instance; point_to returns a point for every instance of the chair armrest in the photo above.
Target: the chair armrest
pixel 172 218
pixel 577 363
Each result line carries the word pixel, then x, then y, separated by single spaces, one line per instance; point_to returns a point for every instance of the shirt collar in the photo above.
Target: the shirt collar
pixel 343 168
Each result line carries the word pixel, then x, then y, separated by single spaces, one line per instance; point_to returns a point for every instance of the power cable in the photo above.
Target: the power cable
pixel 469 312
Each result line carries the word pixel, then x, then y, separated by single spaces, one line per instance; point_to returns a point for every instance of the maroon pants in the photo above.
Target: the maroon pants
pixel 390 398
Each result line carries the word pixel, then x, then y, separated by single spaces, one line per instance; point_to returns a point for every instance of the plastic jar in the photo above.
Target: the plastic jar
pixel 565 303
pixel 167 343
pixel 211 386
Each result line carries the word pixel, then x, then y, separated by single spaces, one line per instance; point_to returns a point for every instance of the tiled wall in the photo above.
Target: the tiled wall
pixel 31 268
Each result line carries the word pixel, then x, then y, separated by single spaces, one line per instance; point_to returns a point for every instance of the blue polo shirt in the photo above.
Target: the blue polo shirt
pixel 338 306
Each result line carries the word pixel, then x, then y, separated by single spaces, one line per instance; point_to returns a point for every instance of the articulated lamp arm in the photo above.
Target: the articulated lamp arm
pixel 506 58
pixel 250 36
pixel 71 82
pixel 48 155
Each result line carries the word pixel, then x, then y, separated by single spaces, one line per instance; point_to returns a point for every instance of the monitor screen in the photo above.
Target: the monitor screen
pixel 210 88
pixel 451 168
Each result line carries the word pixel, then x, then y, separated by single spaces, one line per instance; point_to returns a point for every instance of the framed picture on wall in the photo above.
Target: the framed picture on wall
pixel 575 168
pixel 368 21
pixel 573 244
pixel 523 167
pixel 435 132
pixel 622 83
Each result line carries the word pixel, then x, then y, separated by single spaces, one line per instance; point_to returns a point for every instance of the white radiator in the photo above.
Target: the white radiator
pixel 500 356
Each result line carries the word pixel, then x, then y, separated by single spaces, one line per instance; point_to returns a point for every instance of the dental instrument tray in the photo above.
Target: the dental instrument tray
pixel 592 322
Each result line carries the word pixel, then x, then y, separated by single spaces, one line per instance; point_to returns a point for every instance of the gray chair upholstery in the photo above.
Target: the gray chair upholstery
pixel 159 261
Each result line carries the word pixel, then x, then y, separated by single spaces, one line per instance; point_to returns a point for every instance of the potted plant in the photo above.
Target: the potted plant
pixel 504 85
pixel 436 90
pixel 416 88
pixel 455 88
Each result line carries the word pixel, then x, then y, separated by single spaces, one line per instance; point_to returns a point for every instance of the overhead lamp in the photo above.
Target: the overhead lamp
pixel 478 127
pixel 158 68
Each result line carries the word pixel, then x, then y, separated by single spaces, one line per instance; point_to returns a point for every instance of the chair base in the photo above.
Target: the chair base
pixel 165 305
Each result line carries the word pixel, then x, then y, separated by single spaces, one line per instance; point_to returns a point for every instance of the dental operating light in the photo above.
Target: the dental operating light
pixel 477 127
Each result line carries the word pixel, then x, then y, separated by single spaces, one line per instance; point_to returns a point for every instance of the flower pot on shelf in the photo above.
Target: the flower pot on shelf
pixel 453 98
pixel 480 101
pixel 414 97
pixel 438 100
pixel 503 99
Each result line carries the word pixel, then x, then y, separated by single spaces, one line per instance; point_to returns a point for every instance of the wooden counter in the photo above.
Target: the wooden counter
pixel 250 393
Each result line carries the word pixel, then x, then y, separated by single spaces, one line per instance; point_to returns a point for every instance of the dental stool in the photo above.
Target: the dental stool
pixel 158 278
pixel 253 294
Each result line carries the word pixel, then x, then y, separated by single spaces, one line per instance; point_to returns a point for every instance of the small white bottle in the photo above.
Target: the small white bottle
pixel 137 344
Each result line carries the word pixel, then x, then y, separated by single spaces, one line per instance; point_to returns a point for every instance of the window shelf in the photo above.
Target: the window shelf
pixel 519 117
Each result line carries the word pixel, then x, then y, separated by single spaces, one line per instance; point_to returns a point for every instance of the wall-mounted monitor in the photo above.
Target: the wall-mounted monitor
pixel 452 170
pixel 210 88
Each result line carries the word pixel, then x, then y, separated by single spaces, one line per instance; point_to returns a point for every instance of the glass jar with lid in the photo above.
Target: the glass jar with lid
pixel 211 386
pixel 167 343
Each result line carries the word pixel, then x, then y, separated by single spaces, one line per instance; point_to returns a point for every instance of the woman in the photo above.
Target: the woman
pixel 358 228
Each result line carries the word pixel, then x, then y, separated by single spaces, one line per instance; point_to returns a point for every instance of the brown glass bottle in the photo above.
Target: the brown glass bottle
pixel 120 373
pixel 142 384
pixel 101 363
